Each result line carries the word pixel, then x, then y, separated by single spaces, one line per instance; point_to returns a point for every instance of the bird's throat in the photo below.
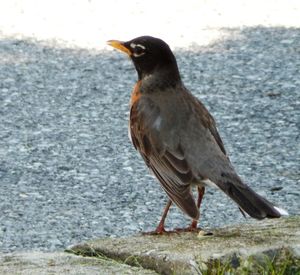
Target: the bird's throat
pixel 160 79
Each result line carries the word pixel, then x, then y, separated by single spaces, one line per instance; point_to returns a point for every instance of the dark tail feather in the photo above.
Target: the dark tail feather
pixel 253 204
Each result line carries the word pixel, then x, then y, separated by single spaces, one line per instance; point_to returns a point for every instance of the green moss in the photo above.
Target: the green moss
pixel 133 260
pixel 90 252
pixel 280 263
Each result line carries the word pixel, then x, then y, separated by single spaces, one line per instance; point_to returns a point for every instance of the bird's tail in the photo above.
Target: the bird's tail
pixel 252 203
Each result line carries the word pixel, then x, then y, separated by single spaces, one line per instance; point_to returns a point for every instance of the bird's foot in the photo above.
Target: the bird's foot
pixel 160 230
pixel 192 228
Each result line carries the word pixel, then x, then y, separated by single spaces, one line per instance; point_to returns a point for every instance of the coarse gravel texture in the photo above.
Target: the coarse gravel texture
pixel 68 172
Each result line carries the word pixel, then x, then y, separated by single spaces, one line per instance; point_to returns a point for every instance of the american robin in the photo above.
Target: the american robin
pixel 177 136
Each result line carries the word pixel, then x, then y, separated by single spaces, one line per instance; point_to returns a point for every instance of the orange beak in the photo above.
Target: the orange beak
pixel 119 45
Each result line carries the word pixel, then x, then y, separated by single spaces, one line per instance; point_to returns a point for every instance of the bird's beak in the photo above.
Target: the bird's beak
pixel 120 46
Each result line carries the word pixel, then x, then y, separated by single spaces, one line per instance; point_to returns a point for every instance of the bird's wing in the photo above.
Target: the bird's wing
pixel 167 162
pixel 209 122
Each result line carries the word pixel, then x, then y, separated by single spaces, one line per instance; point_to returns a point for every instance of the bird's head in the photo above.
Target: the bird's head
pixel 149 55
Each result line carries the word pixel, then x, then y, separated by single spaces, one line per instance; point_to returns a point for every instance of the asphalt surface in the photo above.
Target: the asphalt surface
pixel 68 171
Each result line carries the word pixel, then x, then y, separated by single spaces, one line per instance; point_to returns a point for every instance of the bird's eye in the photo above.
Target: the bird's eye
pixel 137 49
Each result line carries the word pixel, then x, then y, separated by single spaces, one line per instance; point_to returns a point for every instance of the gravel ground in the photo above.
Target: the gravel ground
pixel 68 172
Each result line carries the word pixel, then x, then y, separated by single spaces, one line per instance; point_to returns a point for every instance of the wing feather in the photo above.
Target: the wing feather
pixel 169 166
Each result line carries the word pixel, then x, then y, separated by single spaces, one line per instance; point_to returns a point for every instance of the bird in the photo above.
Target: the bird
pixel 177 137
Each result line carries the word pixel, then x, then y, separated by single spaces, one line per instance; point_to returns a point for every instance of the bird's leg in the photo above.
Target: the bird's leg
pixel 161 226
pixel 160 229
pixel 201 191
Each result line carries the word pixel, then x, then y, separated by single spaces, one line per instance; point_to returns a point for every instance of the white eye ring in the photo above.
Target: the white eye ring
pixel 138 54
pixel 133 46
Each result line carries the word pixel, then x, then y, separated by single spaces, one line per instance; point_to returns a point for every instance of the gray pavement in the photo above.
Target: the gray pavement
pixel 68 172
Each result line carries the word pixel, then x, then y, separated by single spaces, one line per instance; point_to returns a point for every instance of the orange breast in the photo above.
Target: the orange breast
pixel 135 95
